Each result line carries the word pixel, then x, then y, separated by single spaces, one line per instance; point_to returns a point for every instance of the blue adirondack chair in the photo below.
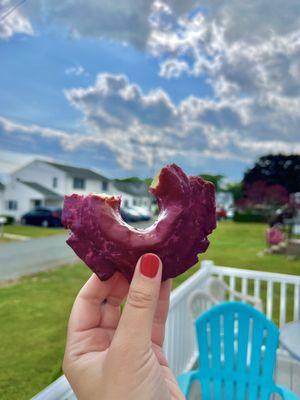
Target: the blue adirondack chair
pixel 237 355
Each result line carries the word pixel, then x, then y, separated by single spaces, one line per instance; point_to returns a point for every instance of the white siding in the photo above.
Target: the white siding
pixel 1 201
pixel 24 196
pixel 91 186
pixel 43 173
pixel 126 199
pixel 129 200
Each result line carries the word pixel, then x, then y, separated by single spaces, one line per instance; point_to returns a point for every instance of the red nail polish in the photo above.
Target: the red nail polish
pixel 149 265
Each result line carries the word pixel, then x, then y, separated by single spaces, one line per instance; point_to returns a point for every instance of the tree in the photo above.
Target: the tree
pixel 236 188
pixel 279 169
pixel 259 193
pixel 215 179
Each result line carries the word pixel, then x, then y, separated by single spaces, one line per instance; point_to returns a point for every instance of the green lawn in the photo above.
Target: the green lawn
pixel 239 245
pixel 32 231
pixel 34 311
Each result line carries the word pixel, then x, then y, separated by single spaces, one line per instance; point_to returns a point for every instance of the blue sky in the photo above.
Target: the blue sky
pixel 103 84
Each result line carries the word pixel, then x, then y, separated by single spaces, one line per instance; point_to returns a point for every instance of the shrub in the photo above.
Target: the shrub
pixel 9 219
pixel 249 216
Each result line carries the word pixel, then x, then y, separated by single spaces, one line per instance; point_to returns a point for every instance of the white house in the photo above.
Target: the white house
pixel 44 183
pixel 224 200
pixel 133 193
pixel 2 187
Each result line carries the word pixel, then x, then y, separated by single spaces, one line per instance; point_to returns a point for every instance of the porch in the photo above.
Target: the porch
pixel 280 294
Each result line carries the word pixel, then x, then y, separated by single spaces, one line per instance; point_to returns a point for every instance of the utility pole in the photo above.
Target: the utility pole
pixel 153 151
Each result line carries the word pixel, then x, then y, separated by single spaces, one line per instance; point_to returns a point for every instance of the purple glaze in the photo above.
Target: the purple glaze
pixel 107 244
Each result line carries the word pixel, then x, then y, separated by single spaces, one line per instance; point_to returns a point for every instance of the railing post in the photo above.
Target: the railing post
pixel 207 265
pixel 282 313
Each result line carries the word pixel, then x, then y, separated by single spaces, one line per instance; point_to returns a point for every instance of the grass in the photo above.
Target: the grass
pixel 34 311
pixel 32 231
pixel 241 245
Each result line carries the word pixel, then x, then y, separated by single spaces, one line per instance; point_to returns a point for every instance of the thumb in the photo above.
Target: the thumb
pixel 137 317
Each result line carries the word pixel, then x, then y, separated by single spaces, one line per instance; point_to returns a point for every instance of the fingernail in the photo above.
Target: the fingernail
pixel 149 265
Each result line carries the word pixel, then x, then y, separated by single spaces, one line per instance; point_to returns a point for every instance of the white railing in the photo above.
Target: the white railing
pixel 180 343
pixel 280 293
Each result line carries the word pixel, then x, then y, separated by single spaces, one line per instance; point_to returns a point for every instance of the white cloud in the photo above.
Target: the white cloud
pixel 10 160
pixel 16 22
pixel 77 70
pixel 121 115
pixel 250 54
pixel 125 21
pixel 132 124
pixel 173 68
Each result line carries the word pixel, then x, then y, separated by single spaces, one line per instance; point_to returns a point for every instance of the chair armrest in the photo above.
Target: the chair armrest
pixel 185 381
pixel 285 393
pixel 250 299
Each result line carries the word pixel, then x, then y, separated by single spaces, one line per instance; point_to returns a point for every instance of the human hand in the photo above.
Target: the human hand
pixel 110 356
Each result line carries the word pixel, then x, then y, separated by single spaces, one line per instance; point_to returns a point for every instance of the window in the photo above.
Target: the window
pixel 78 183
pixel 12 205
pixel 54 182
pixel 104 186
pixel 37 203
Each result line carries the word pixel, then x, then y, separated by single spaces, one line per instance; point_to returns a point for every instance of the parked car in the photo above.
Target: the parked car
pixel 230 213
pixel 129 214
pixel 43 216
pixel 221 213
pixel 144 213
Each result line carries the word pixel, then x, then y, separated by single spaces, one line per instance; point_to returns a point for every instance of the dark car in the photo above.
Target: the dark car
pixel 43 216
pixel 129 214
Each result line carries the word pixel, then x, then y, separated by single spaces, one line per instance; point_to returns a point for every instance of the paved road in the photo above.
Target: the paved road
pixel 25 258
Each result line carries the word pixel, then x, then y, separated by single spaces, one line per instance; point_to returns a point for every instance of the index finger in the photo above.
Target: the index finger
pixel 86 311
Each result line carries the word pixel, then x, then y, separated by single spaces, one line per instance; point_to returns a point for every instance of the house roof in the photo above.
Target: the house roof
pixel 78 172
pixel 137 189
pixel 1 186
pixel 49 194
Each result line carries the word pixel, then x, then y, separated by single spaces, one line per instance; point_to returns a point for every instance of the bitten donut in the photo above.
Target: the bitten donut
pixel 107 244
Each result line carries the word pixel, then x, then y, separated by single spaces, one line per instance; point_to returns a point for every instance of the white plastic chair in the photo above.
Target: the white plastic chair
pixel 200 301
pixel 217 291
pixel 221 292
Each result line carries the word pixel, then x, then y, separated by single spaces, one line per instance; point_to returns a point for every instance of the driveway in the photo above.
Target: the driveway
pixel 24 258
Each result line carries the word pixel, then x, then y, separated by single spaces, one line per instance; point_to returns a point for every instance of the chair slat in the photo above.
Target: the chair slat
pixel 253 392
pixel 256 348
pixel 265 393
pixel 216 343
pixel 229 341
pixel 203 346
pixel 217 389
pixel 240 390
pixel 205 389
pixel 228 390
pixel 269 358
pixel 243 339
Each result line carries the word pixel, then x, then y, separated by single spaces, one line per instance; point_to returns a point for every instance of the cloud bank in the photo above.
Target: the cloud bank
pixel 248 52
